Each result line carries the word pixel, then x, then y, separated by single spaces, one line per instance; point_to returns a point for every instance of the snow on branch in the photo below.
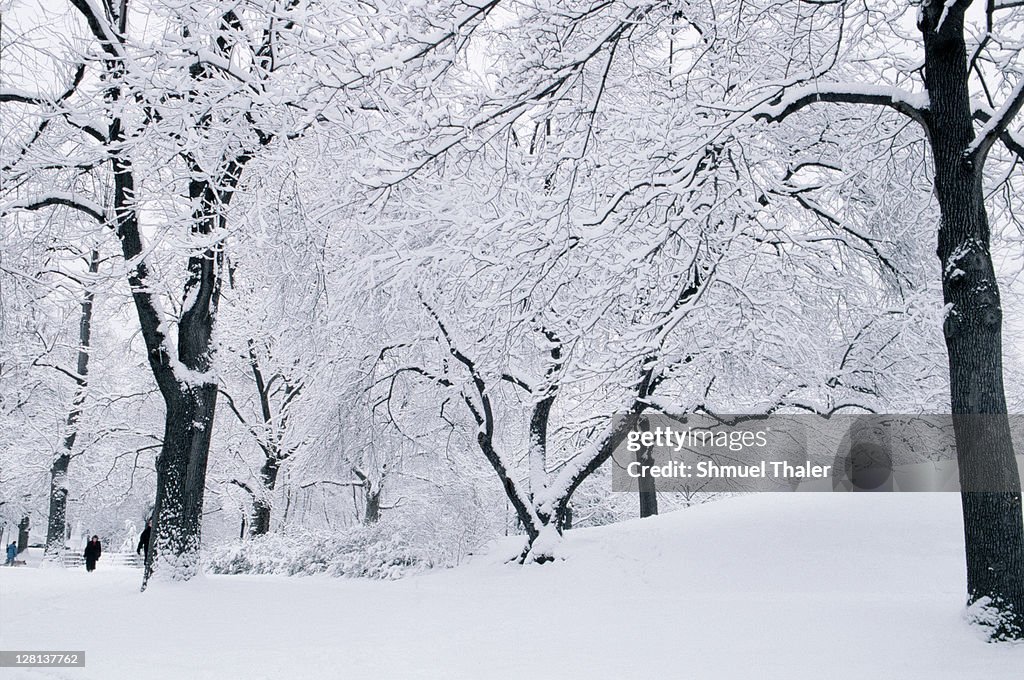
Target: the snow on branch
pixel 422 45
pixel 519 382
pixel 8 95
pixel 79 380
pixel 100 28
pixel 22 97
pixel 207 58
pixel 913 105
pixel 93 210
pixel 1013 142
pixel 996 125
pixel 590 458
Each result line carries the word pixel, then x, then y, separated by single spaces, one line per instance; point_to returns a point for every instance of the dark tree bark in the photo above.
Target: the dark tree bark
pixel 372 513
pixel 23 526
pixel 181 479
pixel 190 397
pixel 648 492
pixel 261 505
pixel 989 479
pixel 538 432
pixel 993 526
pixel 57 518
pixel 182 376
pixel 191 405
pixel 567 518
pixel 371 497
pixel 189 400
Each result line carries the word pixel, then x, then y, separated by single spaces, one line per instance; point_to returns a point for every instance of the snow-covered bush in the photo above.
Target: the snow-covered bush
pixel 378 551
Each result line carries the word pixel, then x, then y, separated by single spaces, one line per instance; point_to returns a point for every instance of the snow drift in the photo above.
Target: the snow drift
pixel 768 586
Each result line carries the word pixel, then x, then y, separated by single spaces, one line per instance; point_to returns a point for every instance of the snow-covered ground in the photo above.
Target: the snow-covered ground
pixel 770 586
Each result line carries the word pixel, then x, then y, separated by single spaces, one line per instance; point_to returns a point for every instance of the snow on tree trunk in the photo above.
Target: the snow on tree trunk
pixel 261 502
pixel 991 497
pixel 181 480
pixel 372 512
pixel 989 478
pixel 57 518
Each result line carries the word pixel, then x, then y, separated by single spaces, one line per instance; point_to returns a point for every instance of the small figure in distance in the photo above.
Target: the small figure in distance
pixel 92 553
pixel 144 540
pixel 12 552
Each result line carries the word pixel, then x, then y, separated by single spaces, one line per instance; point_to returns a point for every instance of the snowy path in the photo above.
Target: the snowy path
pixel 773 586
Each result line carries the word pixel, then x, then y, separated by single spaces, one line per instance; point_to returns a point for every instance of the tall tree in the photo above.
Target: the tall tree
pixel 57 517
pixel 275 395
pixel 131 104
pixel 947 114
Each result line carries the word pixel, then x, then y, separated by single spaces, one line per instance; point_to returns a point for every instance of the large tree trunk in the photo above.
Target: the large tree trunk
pixel 991 499
pixel 57 518
pixel 180 483
pixel 190 397
pixel 181 465
pixel 538 445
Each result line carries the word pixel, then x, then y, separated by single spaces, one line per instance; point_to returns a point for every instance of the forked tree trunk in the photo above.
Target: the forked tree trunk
pixel 371 496
pixel 191 401
pixel 189 394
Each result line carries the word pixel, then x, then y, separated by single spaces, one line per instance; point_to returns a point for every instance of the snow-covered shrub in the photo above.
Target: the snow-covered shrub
pixel 378 551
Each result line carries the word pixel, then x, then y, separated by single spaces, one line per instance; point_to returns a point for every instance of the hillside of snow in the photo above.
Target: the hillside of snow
pixel 769 586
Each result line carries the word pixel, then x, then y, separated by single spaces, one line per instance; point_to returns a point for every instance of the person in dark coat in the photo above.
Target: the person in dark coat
pixel 144 540
pixel 12 552
pixel 92 553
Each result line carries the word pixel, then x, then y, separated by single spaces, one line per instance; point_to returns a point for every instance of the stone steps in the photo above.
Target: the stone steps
pixel 74 558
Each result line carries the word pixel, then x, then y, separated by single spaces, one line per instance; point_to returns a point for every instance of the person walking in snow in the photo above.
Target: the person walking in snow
pixel 144 540
pixel 92 553
pixel 12 552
